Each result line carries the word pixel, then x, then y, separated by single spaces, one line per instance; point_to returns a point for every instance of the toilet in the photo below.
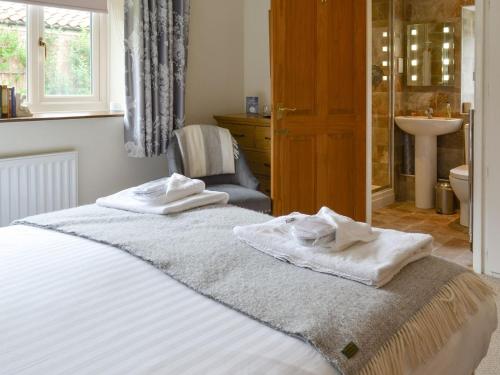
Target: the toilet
pixel 459 179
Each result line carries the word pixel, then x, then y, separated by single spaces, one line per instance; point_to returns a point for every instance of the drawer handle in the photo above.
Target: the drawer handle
pixel 239 135
pixel 267 165
pixel 267 138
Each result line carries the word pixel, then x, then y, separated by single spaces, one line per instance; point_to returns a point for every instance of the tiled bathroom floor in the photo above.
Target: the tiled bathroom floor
pixel 451 240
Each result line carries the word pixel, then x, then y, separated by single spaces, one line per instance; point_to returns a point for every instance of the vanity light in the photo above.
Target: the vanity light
pixel 385 63
pixel 385 34
pixel 446 61
pixel 384 78
pixel 414 47
pixel 385 49
pixel 446 45
pixel 446 29
pixel 414 62
pixel 414 77
pixel 414 32
pixel 446 78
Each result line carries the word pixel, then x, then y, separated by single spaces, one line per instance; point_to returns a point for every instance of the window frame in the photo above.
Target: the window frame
pixel 38 102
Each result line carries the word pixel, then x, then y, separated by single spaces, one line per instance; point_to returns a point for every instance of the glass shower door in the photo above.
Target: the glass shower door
pixel 382 98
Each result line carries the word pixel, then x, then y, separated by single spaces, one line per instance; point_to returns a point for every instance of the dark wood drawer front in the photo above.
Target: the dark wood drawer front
pixel 244 135
pixel 265 184
pixel 262 138
pixel 260 162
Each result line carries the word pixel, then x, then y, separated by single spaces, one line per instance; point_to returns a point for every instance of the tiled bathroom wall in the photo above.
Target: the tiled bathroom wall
pixel 415 100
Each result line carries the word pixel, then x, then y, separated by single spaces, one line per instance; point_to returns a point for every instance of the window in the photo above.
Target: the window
pixel 54 56
pixel 68 68
pixel 13 46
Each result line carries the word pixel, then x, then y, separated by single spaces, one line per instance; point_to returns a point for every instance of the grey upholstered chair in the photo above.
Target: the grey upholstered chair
pixel 242 186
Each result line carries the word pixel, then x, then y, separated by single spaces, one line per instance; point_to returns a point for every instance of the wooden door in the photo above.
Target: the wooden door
pixel 319 99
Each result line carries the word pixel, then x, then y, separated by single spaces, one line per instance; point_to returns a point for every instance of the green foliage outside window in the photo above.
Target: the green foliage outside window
pixel 67 67
pixel 75 78
pixel 13 58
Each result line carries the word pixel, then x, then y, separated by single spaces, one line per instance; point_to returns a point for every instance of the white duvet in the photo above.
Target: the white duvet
pixel 72 306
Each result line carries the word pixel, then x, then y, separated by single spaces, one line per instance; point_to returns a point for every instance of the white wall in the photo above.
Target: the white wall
pixel 215 60
pixel 104 167
pixel 215 86
pixel 257 70
pixel 491 137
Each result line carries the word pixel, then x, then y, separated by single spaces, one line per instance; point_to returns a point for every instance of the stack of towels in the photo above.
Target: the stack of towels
pixel 334 244
pixel 163 197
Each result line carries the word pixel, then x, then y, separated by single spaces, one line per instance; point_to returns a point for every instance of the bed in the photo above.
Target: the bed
pixel 69 305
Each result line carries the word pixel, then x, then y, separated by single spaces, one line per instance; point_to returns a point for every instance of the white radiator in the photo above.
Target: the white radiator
pixel 37 184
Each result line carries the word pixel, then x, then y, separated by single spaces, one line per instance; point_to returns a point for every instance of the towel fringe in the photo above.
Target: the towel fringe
pixel 429 330
pixel 236 149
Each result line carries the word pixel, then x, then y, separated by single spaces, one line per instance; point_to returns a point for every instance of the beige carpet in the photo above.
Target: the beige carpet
pixel 491 364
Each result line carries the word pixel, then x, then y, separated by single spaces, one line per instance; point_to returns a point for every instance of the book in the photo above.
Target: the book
pixel 13 102
pixel 5 102
pixel 9 104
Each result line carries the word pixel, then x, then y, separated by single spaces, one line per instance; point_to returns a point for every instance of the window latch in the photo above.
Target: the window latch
pixel 41 43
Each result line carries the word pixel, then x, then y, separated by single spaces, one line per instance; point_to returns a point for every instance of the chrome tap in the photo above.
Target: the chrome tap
pixel 429 112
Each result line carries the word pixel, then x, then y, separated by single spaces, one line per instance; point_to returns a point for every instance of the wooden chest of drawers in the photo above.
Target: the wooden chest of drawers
pixel 253 134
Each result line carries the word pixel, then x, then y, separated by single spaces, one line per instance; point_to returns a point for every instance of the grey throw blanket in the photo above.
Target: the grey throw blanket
pixel 358 329
pixel 207 150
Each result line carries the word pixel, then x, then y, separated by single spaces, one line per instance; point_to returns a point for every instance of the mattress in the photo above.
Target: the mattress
pixel 72 306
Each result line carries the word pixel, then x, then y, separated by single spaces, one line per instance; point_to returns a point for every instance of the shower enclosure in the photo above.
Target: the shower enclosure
pixel 383 89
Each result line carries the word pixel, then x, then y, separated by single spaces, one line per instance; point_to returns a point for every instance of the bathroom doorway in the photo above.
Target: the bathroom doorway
pixel 423 66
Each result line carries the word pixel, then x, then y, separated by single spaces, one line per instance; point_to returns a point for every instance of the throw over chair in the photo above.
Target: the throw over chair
pixel 242 186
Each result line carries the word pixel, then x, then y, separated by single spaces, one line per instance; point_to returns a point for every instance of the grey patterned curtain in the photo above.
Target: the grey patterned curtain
pixel 156 39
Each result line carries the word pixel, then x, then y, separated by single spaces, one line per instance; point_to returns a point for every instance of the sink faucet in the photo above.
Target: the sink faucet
pixel 429 112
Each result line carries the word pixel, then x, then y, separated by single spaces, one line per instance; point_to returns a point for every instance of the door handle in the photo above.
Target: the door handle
pixel 285 109
pixel 282 110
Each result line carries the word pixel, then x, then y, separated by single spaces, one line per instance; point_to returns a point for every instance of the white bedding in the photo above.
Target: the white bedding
pixel 72 306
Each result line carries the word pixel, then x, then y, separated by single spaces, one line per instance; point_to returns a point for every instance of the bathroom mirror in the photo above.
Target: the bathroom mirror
pixel 431 54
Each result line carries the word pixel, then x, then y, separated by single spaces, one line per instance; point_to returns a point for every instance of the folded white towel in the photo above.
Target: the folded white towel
pixel 372 263
pixel 125 200
pixel 348 231
pixel 167 190
pixel 150 190
pixel 179 187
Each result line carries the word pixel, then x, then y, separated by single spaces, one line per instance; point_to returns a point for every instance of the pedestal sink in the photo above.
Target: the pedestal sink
pixel 426 131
